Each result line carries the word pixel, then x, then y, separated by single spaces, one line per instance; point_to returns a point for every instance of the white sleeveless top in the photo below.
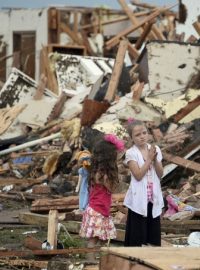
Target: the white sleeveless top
pixel 136 196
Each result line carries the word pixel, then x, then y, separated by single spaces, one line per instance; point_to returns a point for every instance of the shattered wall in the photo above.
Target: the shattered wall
pixel 23 20
pixel 193 13
pixel 170 66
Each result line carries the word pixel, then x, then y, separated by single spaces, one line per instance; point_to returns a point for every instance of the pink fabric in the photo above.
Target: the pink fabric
pixel 119 144
pixel 96 225
pixel 150 191
pixel 100 199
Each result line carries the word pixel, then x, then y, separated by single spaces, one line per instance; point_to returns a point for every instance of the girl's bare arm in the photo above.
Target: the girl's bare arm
pixel 158 168
pixel 137 172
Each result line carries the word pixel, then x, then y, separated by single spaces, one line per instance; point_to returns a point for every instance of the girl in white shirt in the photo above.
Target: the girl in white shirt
pixel 144 197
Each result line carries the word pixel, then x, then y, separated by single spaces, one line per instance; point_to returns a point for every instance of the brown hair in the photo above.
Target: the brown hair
pixel 104 163
pixel 133 124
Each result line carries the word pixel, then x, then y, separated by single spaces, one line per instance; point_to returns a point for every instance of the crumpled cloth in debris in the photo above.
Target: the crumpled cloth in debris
pixel 175 205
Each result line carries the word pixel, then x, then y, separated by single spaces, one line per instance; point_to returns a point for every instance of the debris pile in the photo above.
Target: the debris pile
pixel 115 65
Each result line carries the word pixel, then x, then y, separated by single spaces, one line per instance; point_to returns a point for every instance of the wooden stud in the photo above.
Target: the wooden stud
pixel 137 90
pixel 114 80
pixel 129 12
pixel 157 32
pixel 52 83
pixel 196 26
pixel 186 110
pixel 75 27
pixel 41 87
pixel 147 29
pixel 133 52
pixel 52 228
pixel 115 40
pixel 71 33
pixel 188 164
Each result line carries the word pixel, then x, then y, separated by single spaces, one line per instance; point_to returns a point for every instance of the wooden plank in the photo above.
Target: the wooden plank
pixel 161 258
pixel 52 83
pixel 129 13
pixel 71 33
pixel 119 19
pixel 116 20
pixel 188 164
pixel 196 26
pixel 86 43
pixel 143 5
pixel 66 202
pixel 114 80
pixel 114 262
pixel 134 20
pixel 8 115
pixel 58 107
pixel 16 181
pixel 137 90
pixel 25 253
pixel 158 33
pixel 146 31
pixel 41 87
pixel 37 219
pixel 31 264
pixel 186 110
pixel 133 52
pixel 52 25
pixel 115 40
pixel 52 228
pixel 75 26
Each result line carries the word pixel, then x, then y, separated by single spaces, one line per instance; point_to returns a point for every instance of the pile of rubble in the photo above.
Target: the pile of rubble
pixel 149 71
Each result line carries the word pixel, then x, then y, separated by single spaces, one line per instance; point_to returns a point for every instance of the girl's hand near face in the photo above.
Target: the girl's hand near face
pixel 152 153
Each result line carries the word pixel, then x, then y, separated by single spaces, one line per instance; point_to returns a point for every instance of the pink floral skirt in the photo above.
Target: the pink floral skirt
pixel 95 224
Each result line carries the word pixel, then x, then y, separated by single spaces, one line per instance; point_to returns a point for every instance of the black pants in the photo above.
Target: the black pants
pixel 142 230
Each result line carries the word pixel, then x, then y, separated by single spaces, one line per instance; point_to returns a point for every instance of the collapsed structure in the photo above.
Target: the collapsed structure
pixel 69 74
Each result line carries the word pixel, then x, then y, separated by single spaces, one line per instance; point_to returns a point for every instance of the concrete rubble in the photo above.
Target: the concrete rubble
pixel 89 73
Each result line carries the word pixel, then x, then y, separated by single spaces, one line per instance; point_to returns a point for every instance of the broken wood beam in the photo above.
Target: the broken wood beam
pixel 187 164
pixel 158 33
pixel 45 68
pixel 30 264
pixel 137 89
pixel 129 13
pixel 28 253
pixel 66 203
pixel 16 181
pixel 114 80
pixel 133 52
pixel 87 43
pixel 52 228
pixel 143 5
pixel 41 87
pixel 119 19
pixel 185 110
pixel 57 109
pixel 146 31
pixel 196 26
pixel 37 219
pixel 115 40
pixel 71 33
pixel 154 34
pixel 32 243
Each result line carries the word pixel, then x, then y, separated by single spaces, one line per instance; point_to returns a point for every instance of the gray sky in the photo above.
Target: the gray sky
pixel 80 3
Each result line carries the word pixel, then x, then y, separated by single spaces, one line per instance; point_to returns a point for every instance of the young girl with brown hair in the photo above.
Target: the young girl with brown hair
pixel 144 198
pixel 97 223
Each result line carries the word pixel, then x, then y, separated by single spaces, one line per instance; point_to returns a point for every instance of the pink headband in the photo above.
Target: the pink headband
pixel 119 144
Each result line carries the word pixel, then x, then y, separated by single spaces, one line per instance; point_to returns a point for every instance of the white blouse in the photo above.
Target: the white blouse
pixel 136 196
